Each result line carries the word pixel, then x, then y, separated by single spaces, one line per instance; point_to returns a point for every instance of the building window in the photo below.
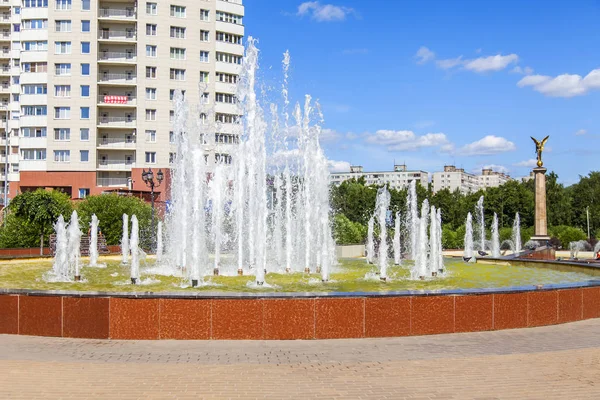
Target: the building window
pixel 151 136
pixel 227 78
pixel 62 155
pixel 62 48
pixel 34 89
pixel 204 56
pixel 85 90
pixel 39 45
pixel 150 157
pixel 85 112
pixel 204 98
pixel 63 26
pixel 85 5
pixel 178 11
pixel 62 91
pixel 34 110
pixel 84 155
pixel 150 51
pixel 229 38
pixel 225 98
pixel 227 17
pixel 204 15
pixel 177 32
pixel 177 53
pixel 151 72
pixel 84 134
pixel 35 24
pixel 85 47
pixel 62 134
pixel 151 8
pixel 63 4
pixel 32 4
pixel 204 77
pixel 150 93
pixel 172 94
pixel 150 115
pixel 229 58
pixel 150 29
pixel 177 74
pixel 172 158
pixel 83 193
pixel 85 26
pixel 85 69
pixel 62 112
pixel 33 132
pixel 204 36
pixel 33 154
pixel 171 137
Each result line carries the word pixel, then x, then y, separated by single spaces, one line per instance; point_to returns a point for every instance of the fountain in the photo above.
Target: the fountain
pixel 370 241
pixel 74 245
pixel 159 242
pixel 480 213
pixel 421 260
pixel 60 268
pixel 516 234
pixel 381 207
pixel 397 243
pixel 495 237
pixel 412 219
pixel 125 240
pixel 468 243
pixel 135 250
pixel 94 241
pixel 576 247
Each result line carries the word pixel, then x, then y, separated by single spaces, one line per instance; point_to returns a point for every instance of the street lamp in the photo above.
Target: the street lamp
pixel 148 178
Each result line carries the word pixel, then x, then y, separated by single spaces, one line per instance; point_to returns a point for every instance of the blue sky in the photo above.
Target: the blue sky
pixel 431 83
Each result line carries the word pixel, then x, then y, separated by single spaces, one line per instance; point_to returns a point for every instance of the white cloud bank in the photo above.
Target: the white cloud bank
pixel 488 145
pixel 324 12
pixel 338 166
pixel 565 85
pixel 531 163
pixel 408 140
pixel 483 64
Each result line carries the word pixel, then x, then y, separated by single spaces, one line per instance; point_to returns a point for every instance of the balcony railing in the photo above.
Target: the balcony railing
pixel 115 164
pixel 4 70
pixel 116 55
pixel 108 77
pixel 117 13
pixel 5 35
pixel 116 121
pixel 112 181
pixel 117 34
pixel 119 143
pixel 5 54
pixel 5 17
pixel 116 99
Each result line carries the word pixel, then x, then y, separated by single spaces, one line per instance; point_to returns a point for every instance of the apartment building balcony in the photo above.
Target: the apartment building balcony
pixel 5 18
pixel 106 56
pixel 5 53
pixel 108 78
pixel 116 182
pixel 5 70
pixel 117 100
pixel 117 35
pixel 126 142
pixel 108 121
pixel 5 35
pixel 105 162
pixel 126 14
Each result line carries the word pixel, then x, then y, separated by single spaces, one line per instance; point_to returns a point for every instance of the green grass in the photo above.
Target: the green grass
pixel 348 276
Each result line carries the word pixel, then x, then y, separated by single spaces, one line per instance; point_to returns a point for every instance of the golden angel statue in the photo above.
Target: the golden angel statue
pixel 539 148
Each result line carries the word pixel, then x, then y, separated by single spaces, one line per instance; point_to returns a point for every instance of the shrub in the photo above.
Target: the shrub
pixel 348 232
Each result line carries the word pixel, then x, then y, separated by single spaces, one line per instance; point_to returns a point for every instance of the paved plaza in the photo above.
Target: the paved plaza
pixel 555 362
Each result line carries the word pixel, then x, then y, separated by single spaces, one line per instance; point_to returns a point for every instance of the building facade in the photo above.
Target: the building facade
pixel 399 178
pixel 453 178
pixel 87 87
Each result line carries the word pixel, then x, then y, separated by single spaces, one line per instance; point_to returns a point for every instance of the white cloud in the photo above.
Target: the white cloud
pixel 580 132
pixel 488 145
pixel 407 140
pixel 424 55
pixel 522 71
pixel 324 12
pixel 449 62
pixel 490 63
pixel 497 168
pixel 338 166
pixel 329 135
pixel 565 85
pixel 531 163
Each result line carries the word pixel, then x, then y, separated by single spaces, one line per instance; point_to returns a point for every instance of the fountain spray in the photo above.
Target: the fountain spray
pixel 397 244
pixel 125 241
pixel 370 241
pixel 381 207
pixel 516 234
pixel 135 250
pixel 495 237
pixel 481 223
pixel 468 252
pixel 94 242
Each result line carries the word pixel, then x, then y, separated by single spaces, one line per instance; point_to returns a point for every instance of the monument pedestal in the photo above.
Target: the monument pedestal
pixel 541 222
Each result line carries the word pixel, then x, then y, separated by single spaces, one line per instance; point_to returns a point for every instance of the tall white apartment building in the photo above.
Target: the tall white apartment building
pixel 453 178
pixel 86 87
pixel 399 178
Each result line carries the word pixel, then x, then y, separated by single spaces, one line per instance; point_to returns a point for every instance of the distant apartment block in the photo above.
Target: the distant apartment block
pixel 453 179
pixel 399 178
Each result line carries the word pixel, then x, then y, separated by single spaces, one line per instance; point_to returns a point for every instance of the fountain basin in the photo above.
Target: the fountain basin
pixel 261 315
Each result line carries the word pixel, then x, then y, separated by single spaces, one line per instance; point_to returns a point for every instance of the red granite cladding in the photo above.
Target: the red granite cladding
pixel 570 305
pixel 591 302
pixel 510 311
pixel 431 315
pixel 136 319
pixel 340 318
pixel 542 308
pixel 289 319
pixel 387 316
pixel 85 317
pixel 545 254
pixel 9 314
pixel 24 252
pixel 185 319
pixel 237 319
pixel 40 315
pixel 474 313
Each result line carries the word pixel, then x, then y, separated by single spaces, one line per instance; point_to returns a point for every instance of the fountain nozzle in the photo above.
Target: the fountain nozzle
pixel 383 278
pixel 194 282
pixel 77 278
pixel 307 270
pixel 318 269
pixel 133 281
pixel 259 283
pixel 216 272
pixel 288 270
pixel 240 272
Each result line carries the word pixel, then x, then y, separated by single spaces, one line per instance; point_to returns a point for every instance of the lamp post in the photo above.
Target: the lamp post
pixel 148 178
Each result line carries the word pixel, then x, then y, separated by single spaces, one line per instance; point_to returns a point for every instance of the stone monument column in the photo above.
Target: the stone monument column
pixel 541 221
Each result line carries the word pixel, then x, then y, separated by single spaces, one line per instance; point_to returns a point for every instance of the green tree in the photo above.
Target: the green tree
pixel 348 232
pixel 35 211
pixel 109 208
